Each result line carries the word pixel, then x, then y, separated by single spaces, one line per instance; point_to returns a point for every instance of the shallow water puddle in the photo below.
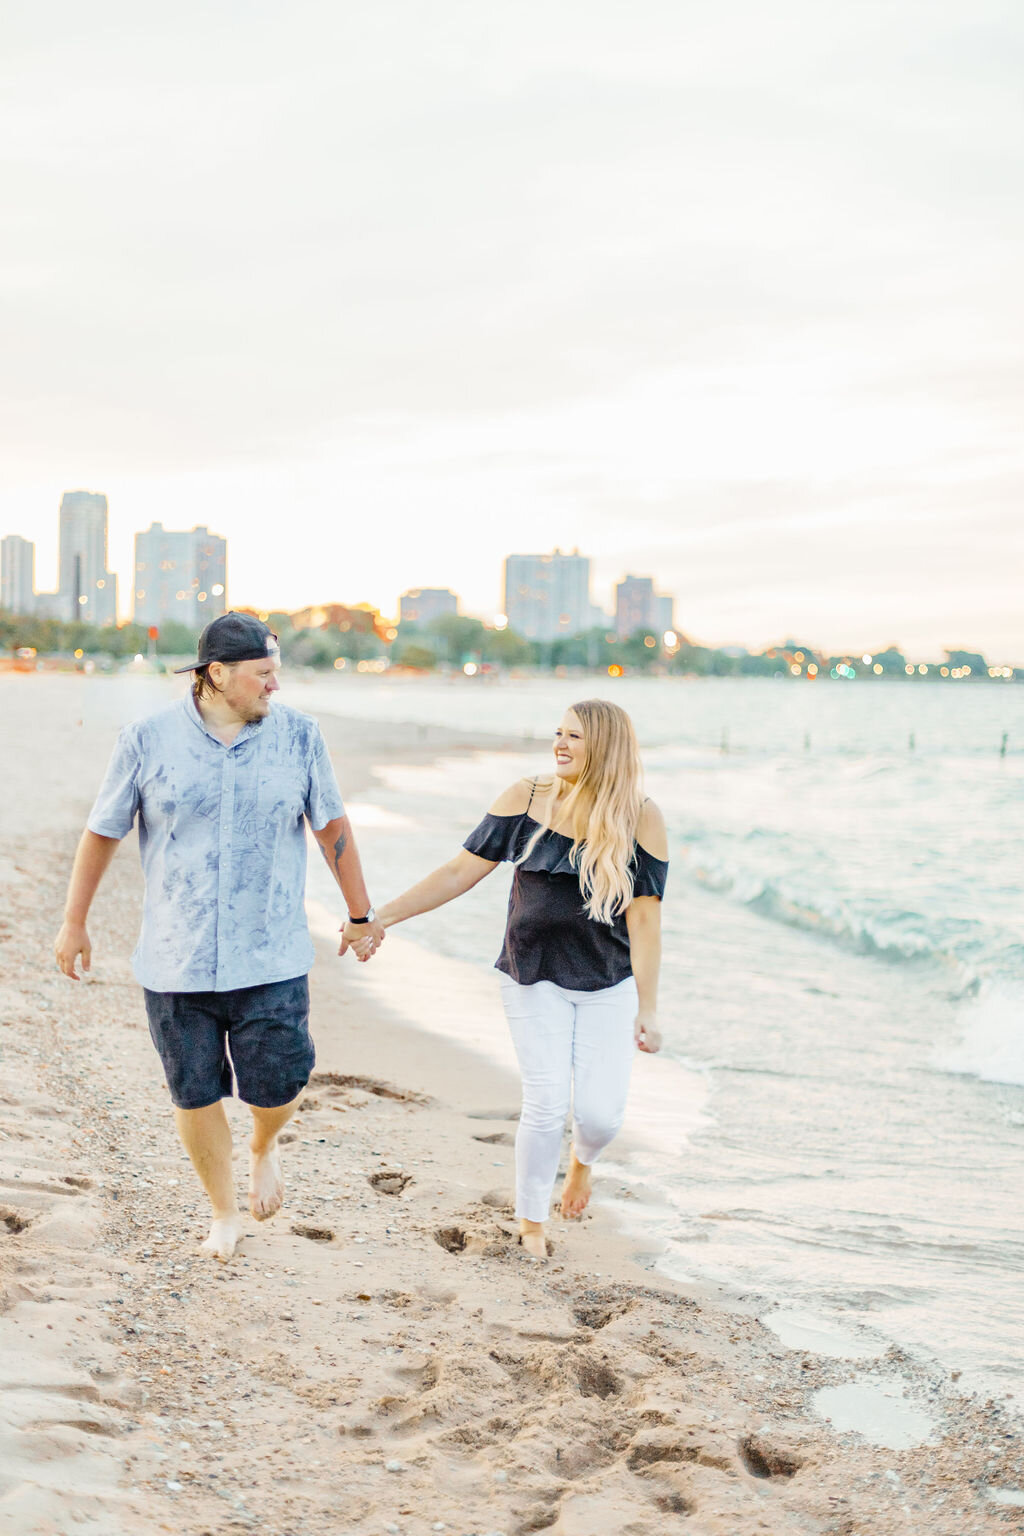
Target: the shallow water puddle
pixel 803 1330
pixel 881 1415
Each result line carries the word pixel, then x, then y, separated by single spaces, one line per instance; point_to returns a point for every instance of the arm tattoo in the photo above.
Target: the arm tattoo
pixel 332 856
pixel 339 848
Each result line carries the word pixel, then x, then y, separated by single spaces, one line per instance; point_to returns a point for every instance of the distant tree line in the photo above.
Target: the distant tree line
pixel 452 641
pixel 57 637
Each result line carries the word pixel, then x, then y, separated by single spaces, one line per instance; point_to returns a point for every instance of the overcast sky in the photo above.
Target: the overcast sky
pixel 728 294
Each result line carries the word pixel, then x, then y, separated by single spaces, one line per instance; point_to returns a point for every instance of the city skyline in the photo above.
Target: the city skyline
pixel 635 600
pixel 733 304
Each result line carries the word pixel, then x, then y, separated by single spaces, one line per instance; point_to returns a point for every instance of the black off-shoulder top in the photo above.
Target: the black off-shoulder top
pixel 548 936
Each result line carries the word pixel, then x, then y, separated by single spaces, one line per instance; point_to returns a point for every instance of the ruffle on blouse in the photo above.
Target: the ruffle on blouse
pixel 503 838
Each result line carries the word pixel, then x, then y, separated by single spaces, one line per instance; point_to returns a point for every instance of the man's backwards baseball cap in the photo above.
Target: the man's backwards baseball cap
pixel 234 637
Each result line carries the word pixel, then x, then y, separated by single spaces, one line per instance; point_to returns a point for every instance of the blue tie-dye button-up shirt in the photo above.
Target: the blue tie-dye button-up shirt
pixel 223 844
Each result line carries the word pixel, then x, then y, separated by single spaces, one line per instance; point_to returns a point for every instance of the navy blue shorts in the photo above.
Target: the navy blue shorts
pixel 265 1030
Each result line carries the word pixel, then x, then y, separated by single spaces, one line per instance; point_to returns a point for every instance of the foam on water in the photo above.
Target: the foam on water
pixel 991 1046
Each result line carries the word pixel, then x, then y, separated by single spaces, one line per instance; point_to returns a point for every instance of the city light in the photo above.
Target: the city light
pixel 671 639
pixel 866 659
pixel 877 669
pixel 340 663
pixel 471 669
pixel 614 670
pixel 501 621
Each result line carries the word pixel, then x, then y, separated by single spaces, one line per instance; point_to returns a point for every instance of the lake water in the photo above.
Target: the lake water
pixel 843 986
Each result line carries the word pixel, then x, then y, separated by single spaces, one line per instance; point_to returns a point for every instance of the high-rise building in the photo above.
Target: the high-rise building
pixel 421 604
pixel 639 607
pixel 634 605
pixel 88 591
pixel 179 576
pixel 547 596
pixel 17 574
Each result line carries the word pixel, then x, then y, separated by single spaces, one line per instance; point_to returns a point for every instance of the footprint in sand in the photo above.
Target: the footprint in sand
pixel 345 1082
pixel 315 1234
pixel 14 1221
pixel 478 1242
pixel 390 1181
pixel 481 1240
pixel 497 1139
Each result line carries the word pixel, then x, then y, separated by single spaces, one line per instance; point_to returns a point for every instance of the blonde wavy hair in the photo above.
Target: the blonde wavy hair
pixel 601 810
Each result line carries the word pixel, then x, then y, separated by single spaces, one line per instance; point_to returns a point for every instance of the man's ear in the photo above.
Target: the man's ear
pixel 217 673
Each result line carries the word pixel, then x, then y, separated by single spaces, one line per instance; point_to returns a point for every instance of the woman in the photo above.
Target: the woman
pixel 582 945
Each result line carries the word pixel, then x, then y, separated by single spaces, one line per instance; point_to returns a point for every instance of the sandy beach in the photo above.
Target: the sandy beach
pixel 379 1358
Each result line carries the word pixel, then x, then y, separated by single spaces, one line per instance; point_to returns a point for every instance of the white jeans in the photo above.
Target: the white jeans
pixel 570 1045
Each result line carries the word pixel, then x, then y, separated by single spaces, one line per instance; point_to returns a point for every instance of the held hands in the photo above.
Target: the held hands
pixel 646 1033
pixel 71 942
pixel 364 939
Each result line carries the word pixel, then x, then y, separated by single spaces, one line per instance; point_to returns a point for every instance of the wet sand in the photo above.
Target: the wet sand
pixel 379 1358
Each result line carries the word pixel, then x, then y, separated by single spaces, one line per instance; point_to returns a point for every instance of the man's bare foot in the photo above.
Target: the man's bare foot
pixel 576 1189
pixel 266 1182
pixel 532 1239
pixel 225 1235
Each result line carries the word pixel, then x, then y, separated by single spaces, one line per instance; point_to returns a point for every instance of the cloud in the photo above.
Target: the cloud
pixel 578 274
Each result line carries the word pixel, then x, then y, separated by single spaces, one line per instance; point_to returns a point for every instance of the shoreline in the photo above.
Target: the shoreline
pixel 379 1356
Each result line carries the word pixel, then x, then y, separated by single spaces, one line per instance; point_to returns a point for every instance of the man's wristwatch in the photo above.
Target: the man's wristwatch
pixel 371 917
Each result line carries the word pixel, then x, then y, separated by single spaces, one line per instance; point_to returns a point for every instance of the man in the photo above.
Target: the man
pixel 222 782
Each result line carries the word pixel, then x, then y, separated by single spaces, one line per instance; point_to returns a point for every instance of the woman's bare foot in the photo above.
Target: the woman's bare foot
pixel 266 1182
pixel 576 1189
pixel 532 1239
pixel 225 1235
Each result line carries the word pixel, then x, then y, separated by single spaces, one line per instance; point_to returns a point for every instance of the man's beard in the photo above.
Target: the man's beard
pixel 248 713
